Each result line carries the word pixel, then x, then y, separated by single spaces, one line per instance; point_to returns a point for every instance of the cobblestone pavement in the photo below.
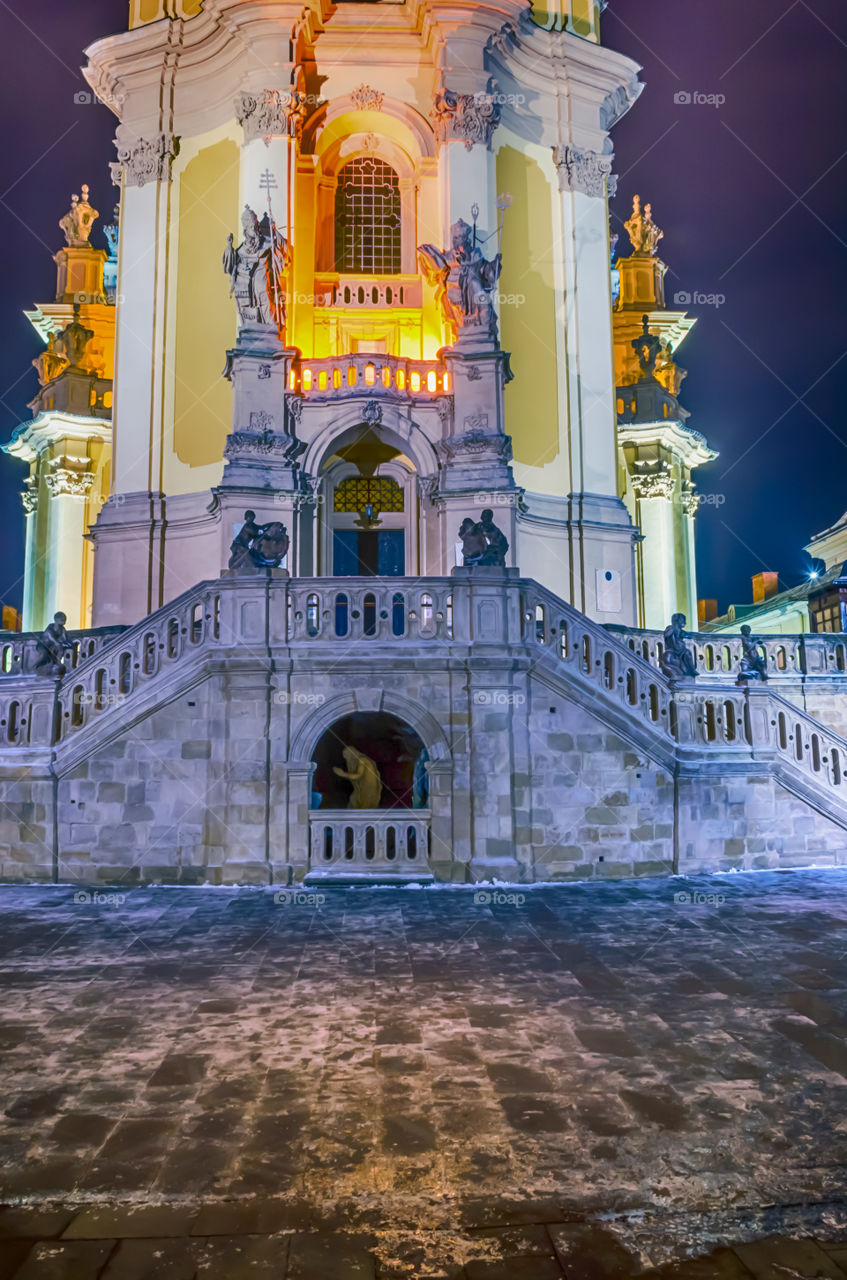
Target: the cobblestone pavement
pixel 587 1080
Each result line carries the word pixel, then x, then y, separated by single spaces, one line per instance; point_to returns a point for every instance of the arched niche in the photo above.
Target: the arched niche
pixel 393 745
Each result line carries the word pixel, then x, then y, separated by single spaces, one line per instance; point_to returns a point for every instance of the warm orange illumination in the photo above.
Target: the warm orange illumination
pixel 322 380
pixel 370 375
pixel 386 376
pixel 401 379
pixel 431 381
pixel 307 379
pixel 416 381
pixel 351 375
pixel 447 382
pixel 292 381
pixel 336 378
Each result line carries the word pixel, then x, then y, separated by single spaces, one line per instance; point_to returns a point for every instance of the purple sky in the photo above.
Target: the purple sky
pixel 751 196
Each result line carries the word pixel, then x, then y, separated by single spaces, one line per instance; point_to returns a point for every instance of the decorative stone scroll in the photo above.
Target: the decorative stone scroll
pixel 367 99
pixel 145 160
pixel 585 171
pixel 272 113
pixel 476 445
pixel 467 117
pixel 656 483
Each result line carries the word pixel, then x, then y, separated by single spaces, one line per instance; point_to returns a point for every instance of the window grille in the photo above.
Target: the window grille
pixel 383 493
pixel 367 218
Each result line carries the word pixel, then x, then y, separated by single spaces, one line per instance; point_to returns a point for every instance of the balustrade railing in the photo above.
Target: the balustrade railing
pixel 394 840
pixel 20 655
pixel 345 291
pixel 369 375
pixel 378 609
pixel 719 654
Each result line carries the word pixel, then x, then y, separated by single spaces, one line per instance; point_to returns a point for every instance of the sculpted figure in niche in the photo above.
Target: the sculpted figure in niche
pixel 753 666
pixel 676 661
pixel 364 775
pixel 53 645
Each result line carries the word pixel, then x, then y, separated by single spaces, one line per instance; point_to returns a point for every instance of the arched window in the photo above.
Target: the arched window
pixel 367 218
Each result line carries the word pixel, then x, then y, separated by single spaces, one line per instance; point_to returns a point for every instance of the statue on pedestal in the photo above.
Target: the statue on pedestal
pixel 676 661
pixel 73 340
pixel 483 543
pixel 50 363
pixel 753 665
pixel 78 221
pixel 53 644
pixel 258 546
pixel 364 775
pixel 466 280
pixel 647 347
pixel 642 230
pixel 256 269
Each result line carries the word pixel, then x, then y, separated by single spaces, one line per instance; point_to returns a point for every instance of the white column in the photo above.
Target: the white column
pixel 271 120
pixel 137 455
pixel 28 620
pixel 64 585
pixel 466 165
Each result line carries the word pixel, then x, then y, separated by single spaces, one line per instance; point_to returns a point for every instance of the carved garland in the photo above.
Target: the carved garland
pixel 271 113
pixel 585 171
pixel 467 117
pixel 145 160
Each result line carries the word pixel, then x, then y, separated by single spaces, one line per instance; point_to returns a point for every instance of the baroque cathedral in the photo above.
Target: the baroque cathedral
pixel 358 464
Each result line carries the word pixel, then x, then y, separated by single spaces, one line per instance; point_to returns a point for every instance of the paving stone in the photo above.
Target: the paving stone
pixel 130 1222
pixel 66 1260
pixel 165 1259
pixel 12 1254
pixel 242 1257
pixel 33 1224
pixel 590 1253
pixel 329 1258
pixel 515 1269
pixel 723 1264
pixel 243 1218
pixel 776 1257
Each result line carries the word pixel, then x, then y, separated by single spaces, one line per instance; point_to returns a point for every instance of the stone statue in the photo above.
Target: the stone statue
pixel 642 230
pixel 364 774
pixel 49 364
pixel 466 280
pixel 53 644
pixel 258 546
pixel 78 221
pixel 676 661
pixel 483 543
pixel 753 665
pixel 73 340
pixel 647 347
pixel 255 270
pixel 112 232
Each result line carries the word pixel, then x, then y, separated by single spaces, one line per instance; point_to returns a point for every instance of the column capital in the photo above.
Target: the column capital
pixel 586 171
pixel 658 482
pixel 465 117
pixel 144 160
pixel 270 113
pixel 62 479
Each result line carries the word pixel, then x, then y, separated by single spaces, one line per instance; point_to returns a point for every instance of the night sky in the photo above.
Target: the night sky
pixel 750 194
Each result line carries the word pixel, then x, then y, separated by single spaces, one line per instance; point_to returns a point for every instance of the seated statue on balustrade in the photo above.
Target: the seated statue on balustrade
pixel 53 644
pixel 753 665
pixel 258 546
pixel 676 661
pixel 483 543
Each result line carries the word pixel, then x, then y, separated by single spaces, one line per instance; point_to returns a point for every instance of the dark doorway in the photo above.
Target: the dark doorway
pixel 395 749
pixel 369 553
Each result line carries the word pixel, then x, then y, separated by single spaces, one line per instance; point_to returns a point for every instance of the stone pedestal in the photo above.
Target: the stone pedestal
pixel 79 275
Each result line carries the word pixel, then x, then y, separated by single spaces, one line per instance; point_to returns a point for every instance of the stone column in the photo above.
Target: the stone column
pixel 601 532
pixel 129 557
pixel 655 491
pixel 271 120
pixel 30 622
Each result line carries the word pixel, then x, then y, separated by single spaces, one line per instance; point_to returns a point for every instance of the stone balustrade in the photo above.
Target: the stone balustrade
pixel 372 292
pixel 369 375
pixel 390 841
pixel 19 652
pixel 718 654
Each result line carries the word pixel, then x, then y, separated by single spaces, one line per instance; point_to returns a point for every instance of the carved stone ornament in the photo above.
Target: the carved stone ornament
pixel 145 160
pixel 372 413
pixel 367 99
pixel 469 117
pixel 655 483
pixel 271 113
pixel 427 487
pixel 256 270
pixel 78 221
pixel 62 479
pixel 264 372
pixel 689 500
pixel 72 341
pixel 29 497
pixel 642 230
pixel 476 445
pixel 50 363
pixel 585 171
pixel 465 281
pixel 266 443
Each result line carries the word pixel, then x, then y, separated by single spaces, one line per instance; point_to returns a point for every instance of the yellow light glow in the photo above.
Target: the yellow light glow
pixel 351 375
pixel 307 379
pixel 386 376
pixel 416 381
pixel 401 379
pixel 322 380
pixel 292 381
pixel 431 381
pixel 336 378
pixel 447 382
pixel 370 375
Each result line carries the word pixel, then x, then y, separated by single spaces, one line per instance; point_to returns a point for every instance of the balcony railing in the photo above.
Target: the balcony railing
pixel 368 292
pixel 718 654
pixel 337 376
pixel 391 841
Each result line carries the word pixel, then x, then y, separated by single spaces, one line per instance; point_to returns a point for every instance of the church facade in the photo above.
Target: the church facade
pixel 364 492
